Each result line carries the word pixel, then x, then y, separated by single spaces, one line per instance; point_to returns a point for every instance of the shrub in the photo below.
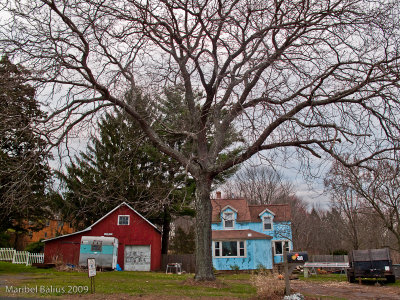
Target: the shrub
pixel 268 286
pixel 4 240
pixel 235 268
pixel 36 247
pixel 261 269
pixel 340 252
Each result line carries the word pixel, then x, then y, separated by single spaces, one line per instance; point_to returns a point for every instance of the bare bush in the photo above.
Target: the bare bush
pixel 268 286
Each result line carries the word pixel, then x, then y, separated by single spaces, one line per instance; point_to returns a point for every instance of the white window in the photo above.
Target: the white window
pixel 278 247
pixel 230 249
pixel 267 223
pixel 228 220
pixel 123 220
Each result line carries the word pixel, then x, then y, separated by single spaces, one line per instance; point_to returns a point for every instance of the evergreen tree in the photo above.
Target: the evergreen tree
pixel 121 164
pixel 24 169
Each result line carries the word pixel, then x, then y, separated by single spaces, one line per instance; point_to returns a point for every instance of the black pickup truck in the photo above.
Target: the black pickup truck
pixel 371 263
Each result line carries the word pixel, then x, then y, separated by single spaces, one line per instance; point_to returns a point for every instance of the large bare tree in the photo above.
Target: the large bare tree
pixel 347 202
pixel 319 76
pixel 375 193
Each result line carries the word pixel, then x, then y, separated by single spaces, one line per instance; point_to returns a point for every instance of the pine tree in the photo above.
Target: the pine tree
pixel 24 169
pixel 121 164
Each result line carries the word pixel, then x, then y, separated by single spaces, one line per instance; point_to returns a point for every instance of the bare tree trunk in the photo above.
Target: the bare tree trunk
pixel 204 269
pixel 165 231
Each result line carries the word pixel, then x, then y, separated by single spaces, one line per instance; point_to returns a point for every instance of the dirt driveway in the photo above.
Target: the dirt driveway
pixel 346 290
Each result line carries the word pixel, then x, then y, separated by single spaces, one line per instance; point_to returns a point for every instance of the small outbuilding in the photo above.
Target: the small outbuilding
pixel 139 241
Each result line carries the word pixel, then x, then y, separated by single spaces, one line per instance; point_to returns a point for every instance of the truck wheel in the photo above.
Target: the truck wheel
pixel 390 279
pixel 351 278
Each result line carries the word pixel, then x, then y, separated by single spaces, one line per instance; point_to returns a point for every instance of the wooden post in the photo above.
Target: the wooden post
pixel 286 268
pixel 91 263
pixel 305 272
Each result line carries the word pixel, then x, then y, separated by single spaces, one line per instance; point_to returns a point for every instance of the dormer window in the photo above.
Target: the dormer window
pixel 228 220
pixel 267 223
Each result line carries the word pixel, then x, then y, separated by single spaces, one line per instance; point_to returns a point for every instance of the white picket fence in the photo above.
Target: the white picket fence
pixel 7 254
pixel 20 257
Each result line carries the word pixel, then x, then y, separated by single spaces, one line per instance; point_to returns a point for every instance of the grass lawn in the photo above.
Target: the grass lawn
pixel 50 282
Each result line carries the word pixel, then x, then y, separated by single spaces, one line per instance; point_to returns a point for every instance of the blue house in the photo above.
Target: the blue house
pixel 249 236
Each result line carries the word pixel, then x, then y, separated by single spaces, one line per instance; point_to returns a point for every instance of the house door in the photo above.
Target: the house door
pixel 137 258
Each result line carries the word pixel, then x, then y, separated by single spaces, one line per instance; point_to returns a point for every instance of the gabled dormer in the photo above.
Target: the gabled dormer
pixel 228 217
pixel 267 219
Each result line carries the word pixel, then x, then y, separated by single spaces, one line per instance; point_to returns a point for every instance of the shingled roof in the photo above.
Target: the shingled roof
pixel 246 234
pixel 249 213
pixel 281 211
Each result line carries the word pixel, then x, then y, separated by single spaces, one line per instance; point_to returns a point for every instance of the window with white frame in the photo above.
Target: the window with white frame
pixel 267 223
pixel 229 249
pixel 123 220
pixel 228 220
pixel 278 247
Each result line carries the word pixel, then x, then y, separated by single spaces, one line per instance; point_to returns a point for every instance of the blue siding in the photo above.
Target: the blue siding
pixel 258 254
pixel 282 231
pixel 106 249
pixel 262 254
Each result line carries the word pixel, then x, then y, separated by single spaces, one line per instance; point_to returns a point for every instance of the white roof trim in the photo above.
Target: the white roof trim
pixel 99 220
pixel 69 234
pixel 154 226
pixel 266 210
pixel 228 206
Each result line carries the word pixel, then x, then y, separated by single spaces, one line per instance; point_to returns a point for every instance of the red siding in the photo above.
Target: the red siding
pixel 138 232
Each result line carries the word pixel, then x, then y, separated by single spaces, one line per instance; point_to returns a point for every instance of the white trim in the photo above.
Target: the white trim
pixel 124 203
pixel 282 246
pixel 99 220
pixel 129 220
pixel 230 207
pixel 237 245
pixel 272 223
pixel 266 210
pixel 69 234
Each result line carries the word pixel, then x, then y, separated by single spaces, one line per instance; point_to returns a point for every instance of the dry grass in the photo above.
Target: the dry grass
pixel 268 286
pixel 217 284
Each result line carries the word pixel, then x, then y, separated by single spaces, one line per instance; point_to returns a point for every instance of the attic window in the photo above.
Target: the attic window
pixel 267 223
pixel 228 220
pixel 123 220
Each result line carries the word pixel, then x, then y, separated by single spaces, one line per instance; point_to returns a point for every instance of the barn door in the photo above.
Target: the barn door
pixel 137 258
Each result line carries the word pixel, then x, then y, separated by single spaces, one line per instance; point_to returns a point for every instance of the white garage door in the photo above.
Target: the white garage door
pixel 137 258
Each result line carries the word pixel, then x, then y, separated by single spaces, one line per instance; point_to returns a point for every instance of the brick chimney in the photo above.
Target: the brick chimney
pixel 218 195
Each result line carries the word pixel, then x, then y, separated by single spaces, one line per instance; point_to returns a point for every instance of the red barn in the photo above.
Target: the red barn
pixel 135 234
